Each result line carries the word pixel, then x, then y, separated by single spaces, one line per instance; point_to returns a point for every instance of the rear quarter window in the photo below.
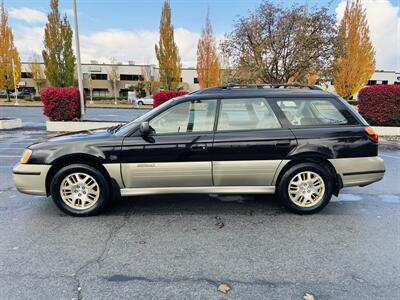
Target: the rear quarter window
pixel 315 112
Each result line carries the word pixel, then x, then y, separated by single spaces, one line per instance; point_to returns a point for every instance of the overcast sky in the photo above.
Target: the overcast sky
pixel 128 29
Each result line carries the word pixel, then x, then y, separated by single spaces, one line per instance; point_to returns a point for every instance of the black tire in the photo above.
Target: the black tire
pixel 291 173
pixel 140 103
pixel 104 190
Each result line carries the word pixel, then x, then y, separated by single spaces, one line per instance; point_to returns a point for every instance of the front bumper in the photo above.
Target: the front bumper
pixel 359 171
pixel 31 179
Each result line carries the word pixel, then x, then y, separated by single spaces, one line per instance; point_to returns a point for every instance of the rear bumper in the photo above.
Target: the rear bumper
pixel 359 171
pixel 31 179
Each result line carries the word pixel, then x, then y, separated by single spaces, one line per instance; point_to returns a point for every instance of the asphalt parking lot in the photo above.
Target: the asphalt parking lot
pixel 183 247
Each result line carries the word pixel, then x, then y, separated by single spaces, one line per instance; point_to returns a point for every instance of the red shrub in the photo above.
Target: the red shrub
pixel 61 104
pixel 164 96
pixel 380 104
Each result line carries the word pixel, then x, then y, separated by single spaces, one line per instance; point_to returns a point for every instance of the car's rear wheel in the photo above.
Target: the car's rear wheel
pixel 140 103
pixel 305 188
pixel 80 190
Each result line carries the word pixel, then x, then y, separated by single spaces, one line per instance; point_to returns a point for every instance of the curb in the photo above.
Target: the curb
pixel 10 123
pixel 387 130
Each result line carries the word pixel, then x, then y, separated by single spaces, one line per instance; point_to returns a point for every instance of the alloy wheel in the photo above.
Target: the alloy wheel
pixel 306 189
pixel 79 191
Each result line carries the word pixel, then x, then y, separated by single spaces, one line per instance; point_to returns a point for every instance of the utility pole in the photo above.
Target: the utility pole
pixel 78 60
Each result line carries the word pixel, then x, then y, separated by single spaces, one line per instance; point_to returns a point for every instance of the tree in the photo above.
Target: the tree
pixel 36 70
pixel 275 44
pixel 58 56
pixel 113 75
pixel 10 64
pixel 355 56
pixel 167 52
pixel 208 67
pixel 151 79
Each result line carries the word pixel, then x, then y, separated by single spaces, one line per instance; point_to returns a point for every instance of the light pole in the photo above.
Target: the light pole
pixel 15 82
pixel 78 60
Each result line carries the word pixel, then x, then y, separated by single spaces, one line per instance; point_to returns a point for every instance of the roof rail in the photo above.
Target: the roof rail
pixel 270 85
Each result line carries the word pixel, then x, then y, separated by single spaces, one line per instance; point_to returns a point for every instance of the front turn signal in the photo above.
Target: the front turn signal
pixel 25 157
pixel 371 133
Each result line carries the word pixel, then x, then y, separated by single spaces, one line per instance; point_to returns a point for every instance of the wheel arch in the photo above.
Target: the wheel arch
pixel 312 157
pixel 85 159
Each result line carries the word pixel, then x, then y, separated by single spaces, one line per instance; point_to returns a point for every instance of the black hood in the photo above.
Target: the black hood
pixel 73 137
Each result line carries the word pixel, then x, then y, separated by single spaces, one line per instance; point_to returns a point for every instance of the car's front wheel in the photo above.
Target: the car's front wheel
pixel 305 188
pixel 80 190
pixel 140 103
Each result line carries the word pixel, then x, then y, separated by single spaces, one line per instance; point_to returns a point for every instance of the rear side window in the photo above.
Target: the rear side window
pixel 309 112
pixel 246 114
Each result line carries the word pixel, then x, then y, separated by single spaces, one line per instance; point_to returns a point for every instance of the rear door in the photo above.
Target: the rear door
pixel 249 143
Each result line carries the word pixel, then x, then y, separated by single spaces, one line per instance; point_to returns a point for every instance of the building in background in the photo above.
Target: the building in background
pixel 129 75
pixel 99 77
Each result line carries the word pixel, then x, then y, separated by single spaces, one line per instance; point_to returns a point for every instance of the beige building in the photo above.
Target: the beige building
pixel 130 74
pixel 103 75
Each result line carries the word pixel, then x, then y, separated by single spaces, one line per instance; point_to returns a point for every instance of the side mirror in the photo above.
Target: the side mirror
pixel 144 128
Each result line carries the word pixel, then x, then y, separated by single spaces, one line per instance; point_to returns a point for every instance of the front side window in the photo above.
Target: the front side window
pixel 246 114
pixel 193 116
pixel 309 112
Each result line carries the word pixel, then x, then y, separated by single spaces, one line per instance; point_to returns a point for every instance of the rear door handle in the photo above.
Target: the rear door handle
pixel 283 143
pixel 198 147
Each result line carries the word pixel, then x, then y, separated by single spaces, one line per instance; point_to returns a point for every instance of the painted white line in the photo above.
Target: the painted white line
pixel 10 155
pixel 385 155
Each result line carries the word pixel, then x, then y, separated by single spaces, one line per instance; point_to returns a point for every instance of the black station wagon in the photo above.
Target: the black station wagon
pixel 300 142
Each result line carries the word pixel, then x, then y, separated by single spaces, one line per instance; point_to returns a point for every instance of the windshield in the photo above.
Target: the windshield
pixel 127 127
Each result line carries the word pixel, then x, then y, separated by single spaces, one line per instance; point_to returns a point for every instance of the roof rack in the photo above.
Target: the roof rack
pixel 270 85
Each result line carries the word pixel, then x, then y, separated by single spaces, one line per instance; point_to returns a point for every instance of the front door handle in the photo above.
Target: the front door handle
pixel 198 147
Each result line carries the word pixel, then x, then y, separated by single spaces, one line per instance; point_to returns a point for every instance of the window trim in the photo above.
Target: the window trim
pixel 339 106
pixel 182 133
pixel 267 103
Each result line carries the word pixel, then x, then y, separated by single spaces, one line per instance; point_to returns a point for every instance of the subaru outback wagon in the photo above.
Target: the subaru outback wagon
pixel 300 142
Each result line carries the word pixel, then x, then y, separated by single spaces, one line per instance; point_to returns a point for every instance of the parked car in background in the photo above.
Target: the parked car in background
pixel 300 142
pixel 145 101
pixel 22 93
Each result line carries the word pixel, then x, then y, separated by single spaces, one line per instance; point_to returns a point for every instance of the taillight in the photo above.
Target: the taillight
pixel 371 133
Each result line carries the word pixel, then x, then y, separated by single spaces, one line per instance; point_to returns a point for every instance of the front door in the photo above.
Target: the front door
pixel 249 143
pixel 177 153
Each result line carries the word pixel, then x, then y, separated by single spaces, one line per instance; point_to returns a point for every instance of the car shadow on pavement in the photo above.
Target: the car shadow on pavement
pixel 191 204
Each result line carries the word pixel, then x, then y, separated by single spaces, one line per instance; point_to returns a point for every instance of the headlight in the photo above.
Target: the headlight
pixel 25 157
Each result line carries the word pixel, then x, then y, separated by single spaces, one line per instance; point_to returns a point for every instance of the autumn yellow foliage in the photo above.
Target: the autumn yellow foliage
pixel 167 52
pixel 10 64
pixel 208 67
pixel 355 58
